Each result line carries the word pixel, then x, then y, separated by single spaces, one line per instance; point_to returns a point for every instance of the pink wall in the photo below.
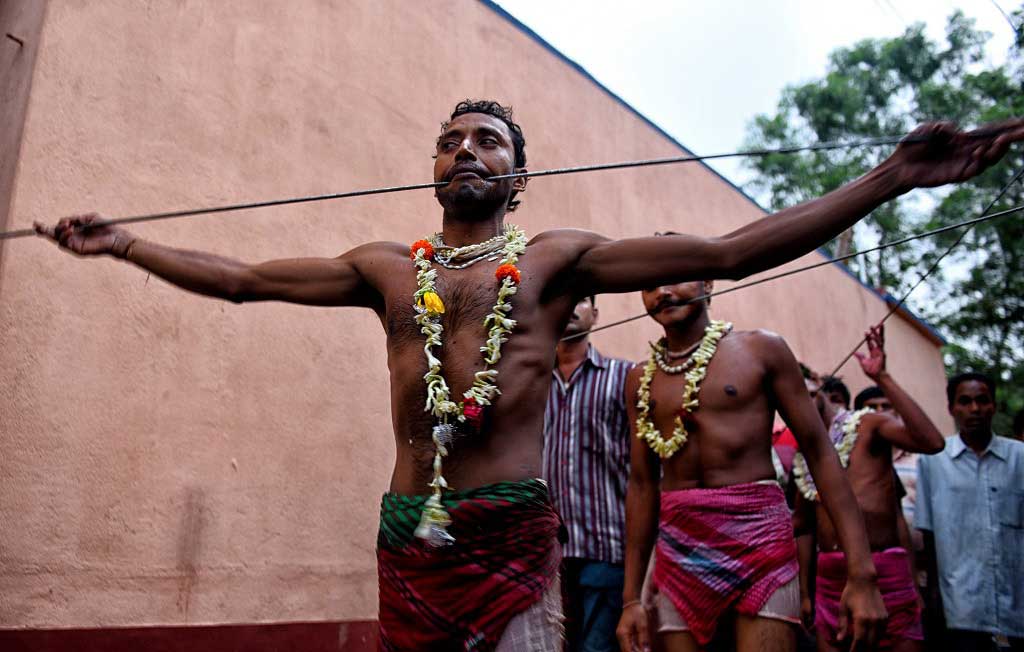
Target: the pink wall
pixel 20 24
pixel 170 459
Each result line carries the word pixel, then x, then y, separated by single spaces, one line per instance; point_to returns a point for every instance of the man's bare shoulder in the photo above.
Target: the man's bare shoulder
pixel 376 254
pixel 761 341
pixel 767 348
pixel 378 248
pixel 574 239
pixel 379 263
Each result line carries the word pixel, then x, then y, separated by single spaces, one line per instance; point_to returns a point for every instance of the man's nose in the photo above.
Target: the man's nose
pixel 465 151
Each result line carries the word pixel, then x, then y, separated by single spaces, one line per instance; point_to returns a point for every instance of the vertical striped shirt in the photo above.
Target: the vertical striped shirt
pixel 586 455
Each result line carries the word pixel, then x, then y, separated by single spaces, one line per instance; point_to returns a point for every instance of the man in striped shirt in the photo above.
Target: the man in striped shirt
pixel 586 465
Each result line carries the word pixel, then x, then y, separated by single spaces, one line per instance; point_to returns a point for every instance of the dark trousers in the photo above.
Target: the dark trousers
pixel 593 604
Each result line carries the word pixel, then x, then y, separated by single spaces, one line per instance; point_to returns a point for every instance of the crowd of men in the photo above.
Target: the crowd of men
pixel 663 478
pixel 943 515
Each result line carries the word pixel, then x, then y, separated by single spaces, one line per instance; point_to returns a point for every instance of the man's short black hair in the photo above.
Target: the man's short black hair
pixel 866 395
pixel 953 383
pixel 503 113
pixel 835 384
pixel 593 301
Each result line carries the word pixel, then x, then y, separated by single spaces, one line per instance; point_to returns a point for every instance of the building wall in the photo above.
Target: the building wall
pixel 170 459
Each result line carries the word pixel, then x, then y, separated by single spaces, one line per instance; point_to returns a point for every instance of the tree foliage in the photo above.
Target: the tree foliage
pixel 883 87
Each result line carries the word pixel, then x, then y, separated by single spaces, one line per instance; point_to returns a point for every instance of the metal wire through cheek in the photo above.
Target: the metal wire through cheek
pixel 150 217
pixel 875 142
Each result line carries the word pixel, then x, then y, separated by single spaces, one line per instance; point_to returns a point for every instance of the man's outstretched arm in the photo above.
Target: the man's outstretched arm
pixel 313 281
pixel 862 610
pixel 947 156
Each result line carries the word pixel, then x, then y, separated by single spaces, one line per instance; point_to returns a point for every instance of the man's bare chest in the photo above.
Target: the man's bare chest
pixel 469 297
pixel 734 381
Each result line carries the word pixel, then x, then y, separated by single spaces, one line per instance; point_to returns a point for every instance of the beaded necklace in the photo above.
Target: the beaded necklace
pixel 697 364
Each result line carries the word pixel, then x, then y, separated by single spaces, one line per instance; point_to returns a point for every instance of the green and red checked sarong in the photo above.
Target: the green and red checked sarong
pixel 461 597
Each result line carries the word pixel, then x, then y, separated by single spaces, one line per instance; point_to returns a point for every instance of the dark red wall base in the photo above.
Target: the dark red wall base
pixel 351 636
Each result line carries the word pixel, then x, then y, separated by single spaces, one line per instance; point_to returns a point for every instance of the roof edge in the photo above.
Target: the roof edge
pixel 523 27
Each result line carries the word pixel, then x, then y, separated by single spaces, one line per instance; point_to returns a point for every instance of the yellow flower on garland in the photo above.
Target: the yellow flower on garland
pixel 432 302
pixel 484 389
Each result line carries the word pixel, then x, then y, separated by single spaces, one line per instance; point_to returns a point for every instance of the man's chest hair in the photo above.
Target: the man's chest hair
pixel 467 302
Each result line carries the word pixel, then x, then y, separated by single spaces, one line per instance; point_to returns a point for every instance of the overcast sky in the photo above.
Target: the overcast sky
pixel 701 69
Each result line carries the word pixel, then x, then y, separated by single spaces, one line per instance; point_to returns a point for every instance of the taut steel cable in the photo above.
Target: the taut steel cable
pixel 827 261
pixel 192 212
pixel 970 225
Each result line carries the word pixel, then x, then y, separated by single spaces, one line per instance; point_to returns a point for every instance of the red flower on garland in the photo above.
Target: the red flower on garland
pixel 473 412
pixel 428 250
pixel 507 270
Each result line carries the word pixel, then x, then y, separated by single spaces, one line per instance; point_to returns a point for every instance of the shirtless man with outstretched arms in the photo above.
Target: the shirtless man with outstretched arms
pixel 495 458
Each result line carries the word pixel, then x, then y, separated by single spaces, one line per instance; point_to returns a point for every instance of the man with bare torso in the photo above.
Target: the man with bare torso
pixel 703 493
pixel 864 440
pixel 491 449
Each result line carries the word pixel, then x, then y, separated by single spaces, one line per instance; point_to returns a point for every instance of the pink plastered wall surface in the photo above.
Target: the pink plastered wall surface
pixel 171 459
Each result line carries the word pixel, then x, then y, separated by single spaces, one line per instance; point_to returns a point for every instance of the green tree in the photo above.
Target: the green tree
pixel 881 87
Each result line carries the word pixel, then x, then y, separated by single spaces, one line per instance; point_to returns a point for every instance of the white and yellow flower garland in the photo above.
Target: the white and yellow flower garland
pixel 429 308
pixel 801 472
pixel 645 428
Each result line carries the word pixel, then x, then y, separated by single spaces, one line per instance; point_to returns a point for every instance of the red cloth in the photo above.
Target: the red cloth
pixel 895 584
pixel 785 447
pixel 461 597
pixel 724 548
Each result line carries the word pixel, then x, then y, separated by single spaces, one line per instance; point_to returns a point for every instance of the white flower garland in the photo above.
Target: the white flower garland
pixel 801 472
pixel 484 389
pixel 645 429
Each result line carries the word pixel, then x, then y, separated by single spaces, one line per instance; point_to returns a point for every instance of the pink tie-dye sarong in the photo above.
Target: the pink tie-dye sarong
pixel 894 583
pixel 721 549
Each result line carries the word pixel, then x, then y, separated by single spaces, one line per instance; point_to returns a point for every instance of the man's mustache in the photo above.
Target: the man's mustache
pixel 466 167
pixel 666 303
